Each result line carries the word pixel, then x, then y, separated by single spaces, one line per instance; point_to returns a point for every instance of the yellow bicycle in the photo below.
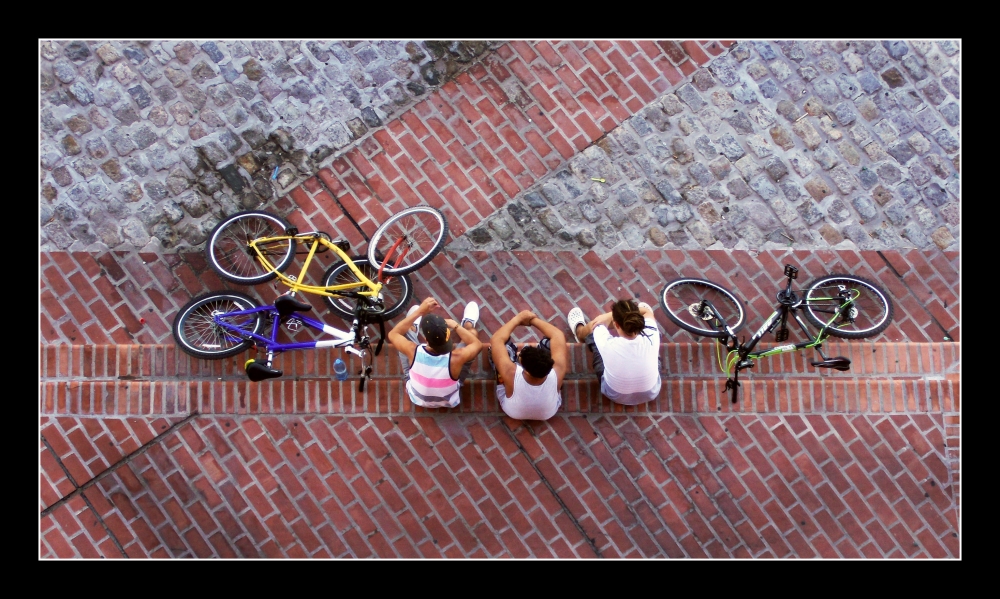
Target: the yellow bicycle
pixel 253 247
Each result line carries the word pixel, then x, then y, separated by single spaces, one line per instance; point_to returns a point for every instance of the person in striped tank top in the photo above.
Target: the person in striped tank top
pixel 435 370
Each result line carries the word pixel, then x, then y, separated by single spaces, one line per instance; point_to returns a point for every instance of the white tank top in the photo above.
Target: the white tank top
pixel 531 402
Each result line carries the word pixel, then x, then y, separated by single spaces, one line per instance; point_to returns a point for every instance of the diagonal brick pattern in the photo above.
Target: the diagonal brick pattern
pixel 493 132
pixel 737 485
pixel 145 452
pixel 859 494
pixel 100 299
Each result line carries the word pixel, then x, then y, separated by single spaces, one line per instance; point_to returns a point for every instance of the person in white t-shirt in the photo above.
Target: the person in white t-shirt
pixel 627 364
pixel 529 381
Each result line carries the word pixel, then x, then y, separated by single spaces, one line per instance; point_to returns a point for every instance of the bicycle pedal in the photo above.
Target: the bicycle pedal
pixel 781 335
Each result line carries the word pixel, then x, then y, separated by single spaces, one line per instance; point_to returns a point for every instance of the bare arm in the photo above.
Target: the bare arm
pixel 646 310
pixel 397 336
pixel 501 360
pixel 463 354
pixel 606 319
pixel 557 341
pixel 588 328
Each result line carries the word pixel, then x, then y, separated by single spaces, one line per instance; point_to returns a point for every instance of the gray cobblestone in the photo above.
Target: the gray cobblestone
pixel 865 208
pixel 607 235
pixel 916 236
pixel 586 238
pixel 699 231
pixel 164 97
pixel 861 237
pixel 860 110
pixel 947 141
pixel 896 213
pixel 867 178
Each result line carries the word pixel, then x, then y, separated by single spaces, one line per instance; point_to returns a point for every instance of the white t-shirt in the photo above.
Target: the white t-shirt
pixel 531 402
pixel 631 370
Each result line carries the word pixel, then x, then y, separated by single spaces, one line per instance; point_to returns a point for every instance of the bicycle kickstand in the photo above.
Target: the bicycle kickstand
pixel 734 385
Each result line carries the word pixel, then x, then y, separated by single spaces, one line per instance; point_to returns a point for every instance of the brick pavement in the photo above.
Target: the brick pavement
pixel 818 449
pixel 137 441
pixel 477 486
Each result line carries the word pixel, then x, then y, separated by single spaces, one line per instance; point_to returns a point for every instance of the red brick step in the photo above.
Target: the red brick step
pixel 160 380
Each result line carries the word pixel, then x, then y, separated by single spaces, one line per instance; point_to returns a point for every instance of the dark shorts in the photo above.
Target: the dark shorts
pixel 513 353
pixel 598 361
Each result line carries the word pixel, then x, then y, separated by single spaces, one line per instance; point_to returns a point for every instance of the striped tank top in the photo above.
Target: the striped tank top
pixel 430 384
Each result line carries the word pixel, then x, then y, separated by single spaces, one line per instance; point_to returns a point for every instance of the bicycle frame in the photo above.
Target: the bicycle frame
pixel 351 340
pixel 271 344
pixel 741 355
pixel 315 239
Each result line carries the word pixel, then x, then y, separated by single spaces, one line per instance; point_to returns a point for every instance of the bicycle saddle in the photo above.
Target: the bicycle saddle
pixel 258 372
pixel 838 363
pixel 285 305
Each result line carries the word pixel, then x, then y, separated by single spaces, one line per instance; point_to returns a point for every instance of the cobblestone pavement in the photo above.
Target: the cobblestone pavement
pixel 843 144
pixel 571 173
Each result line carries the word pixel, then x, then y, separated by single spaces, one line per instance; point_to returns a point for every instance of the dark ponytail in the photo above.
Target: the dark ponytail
pixel 626 315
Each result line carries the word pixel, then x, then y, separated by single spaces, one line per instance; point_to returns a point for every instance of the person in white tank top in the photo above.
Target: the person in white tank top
pixel 529 381
pixel 628 364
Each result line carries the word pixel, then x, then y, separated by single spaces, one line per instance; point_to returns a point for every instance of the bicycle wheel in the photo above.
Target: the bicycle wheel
pixel 421 233
pixel 229 252
pixel 396 293
pixel 197 334
pixel 868 316
pixel 681 300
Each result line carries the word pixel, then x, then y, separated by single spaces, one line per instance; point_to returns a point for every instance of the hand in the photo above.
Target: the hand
pixel 451 323
pixel 525 317
pixel 427 305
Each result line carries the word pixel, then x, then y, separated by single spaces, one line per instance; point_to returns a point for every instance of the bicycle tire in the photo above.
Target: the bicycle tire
pixel 681 297
pixel 196 333
pixel 874 308
pixel 396 293
pixel 424 231
pixel 230 256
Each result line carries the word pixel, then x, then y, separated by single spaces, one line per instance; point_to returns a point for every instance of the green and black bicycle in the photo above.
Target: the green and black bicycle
pixel 843 306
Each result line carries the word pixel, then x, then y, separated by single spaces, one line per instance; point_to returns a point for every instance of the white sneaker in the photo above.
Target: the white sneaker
pixel 575 318
pixel 641 304
pixel 416 323
pixel 471 314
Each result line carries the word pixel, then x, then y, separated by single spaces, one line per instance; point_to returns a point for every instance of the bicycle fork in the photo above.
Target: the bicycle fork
pixel 366 369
